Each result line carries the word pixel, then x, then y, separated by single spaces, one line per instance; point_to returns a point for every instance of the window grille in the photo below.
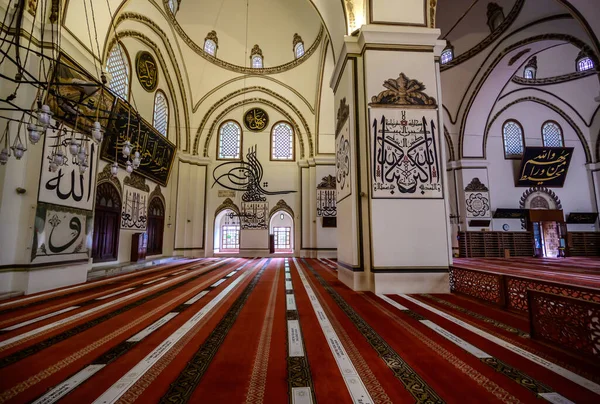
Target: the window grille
pixel 161 113
pixel 230 139
pixel 529 73
pixel 282 238
pixel 447 56
pixel 257 62
pixel 173 6
pixel 585 63
pixel 230 237
pixel 210 47
pixel 282 142
pixel 552 135
pixel 513 139
pixel 299 50
pixel 118 68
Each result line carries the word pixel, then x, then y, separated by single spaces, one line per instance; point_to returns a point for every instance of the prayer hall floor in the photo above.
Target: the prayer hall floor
pixel 272 330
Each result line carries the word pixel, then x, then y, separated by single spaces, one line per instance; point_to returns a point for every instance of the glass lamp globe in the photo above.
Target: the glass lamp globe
pixel 34 133
pixel 129 167
pixel 83 166
pixel 53 167
pixel 136 160
pixel 59 157
pixel 82 156
pixel 44 115
pixel 127 149
pixel 73 147
pixel 97 131
pixel 4 156
pixel 114 169
pixel 19 150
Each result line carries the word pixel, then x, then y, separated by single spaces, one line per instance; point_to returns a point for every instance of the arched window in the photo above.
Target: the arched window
pixel 552 135
pixel 161 113
pixel 530 68
pixel 446 56
pixel 495 16
pixel 282 141
pixel 512 135
pixel 211 43
pixel 585 63
pixel 174 6
pixel 117 65
pixel 230 140
pixel 256 56
pixel 298 46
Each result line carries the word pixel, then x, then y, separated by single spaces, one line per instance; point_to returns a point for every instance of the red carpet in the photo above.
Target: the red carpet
pixel 263 331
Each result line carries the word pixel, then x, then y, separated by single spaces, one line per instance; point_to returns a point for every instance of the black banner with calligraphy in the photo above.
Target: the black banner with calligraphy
pixel 546 166
pixel 157 152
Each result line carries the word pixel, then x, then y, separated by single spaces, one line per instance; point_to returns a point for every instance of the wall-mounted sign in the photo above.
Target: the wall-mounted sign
pixel 146 70
pixel 225 193
pixel 582 218
pixel 256 119
pixel 157 153
pixel 326 194
pixel 547 166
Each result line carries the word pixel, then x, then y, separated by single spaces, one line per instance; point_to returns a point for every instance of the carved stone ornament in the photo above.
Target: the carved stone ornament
pixel 296 41
pixel 432 12
pixel 403 92
pixel 157 193
pixel 327 182
pixel 212 35
pixel 32 6
pixel 137 181
pixel 256 51
pixel 227 205
pixel 281 205
pixel 533 190
pixel 343 113
pixel 532 62
pixel 476 186
pixel 106 176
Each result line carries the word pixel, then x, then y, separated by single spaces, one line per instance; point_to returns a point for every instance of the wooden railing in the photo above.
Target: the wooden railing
pixel 569 323
pixel 495 244
pixel 510 292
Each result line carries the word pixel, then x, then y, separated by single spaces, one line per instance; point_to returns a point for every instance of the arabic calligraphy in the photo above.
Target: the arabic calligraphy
pixel 245 175
pixel 342 162
pixel 135 212
pixel 147 71
pixel 326 197
pixel 256 119
pixel 545 166
pixel 255 215
pixel 405 156
pixel 156 152
pixel 67 186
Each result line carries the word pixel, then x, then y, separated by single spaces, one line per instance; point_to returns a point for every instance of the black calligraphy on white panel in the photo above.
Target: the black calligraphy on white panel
pixel 342 163
pixel 67 186
pixel 405 154
pixel 255 215
pixel 135 209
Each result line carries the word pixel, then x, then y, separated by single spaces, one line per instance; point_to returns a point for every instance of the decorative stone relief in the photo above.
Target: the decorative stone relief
pixel 477 199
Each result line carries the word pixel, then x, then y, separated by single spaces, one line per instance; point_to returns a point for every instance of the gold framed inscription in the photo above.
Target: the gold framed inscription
pixel 146 70
pixel 256 119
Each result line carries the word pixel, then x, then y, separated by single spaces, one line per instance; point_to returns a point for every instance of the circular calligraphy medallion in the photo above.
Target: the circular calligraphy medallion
pixel 256 119
pixel 146 70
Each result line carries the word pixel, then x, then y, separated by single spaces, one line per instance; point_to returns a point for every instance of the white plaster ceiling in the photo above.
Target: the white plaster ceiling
pixel 242 23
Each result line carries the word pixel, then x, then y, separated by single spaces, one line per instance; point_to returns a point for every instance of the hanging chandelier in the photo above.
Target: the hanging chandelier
pixel 37 65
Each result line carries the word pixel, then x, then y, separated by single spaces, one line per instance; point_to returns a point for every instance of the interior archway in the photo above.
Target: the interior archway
pixel 107 217
pixel 281 226
pixel 226 233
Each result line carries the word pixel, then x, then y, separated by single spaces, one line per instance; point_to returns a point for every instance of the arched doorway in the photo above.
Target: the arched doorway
pixel 227 232
pixel 545 221
pixel 281 226
pixel 156 226
pixel 107 217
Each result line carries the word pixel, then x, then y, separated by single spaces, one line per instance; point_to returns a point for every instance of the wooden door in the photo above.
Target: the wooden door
pixel 107 217
pixel 156 226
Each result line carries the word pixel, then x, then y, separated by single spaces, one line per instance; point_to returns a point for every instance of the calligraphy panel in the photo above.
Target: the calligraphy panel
pixel 67 186
pixel 405 154
pixel 135 209
pixel 77 95
pixel 157 153
pixel 343 162
pixel 61 233
pixel 255 215
pixel 547 166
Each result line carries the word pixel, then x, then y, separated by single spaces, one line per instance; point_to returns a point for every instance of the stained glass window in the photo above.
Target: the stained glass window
pixel 529 73
pixel 257 62
pixel 512 134
pixel 552 135
pixel 447 56
pixel 117 66
pixel 585 63
pixel 299 50
pixel 161 113
pixel 282 141
pixel 230 140
pixel 210 47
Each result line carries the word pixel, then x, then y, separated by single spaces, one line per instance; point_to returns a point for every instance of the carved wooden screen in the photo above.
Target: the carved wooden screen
pixel 156 226
pixel 107 217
